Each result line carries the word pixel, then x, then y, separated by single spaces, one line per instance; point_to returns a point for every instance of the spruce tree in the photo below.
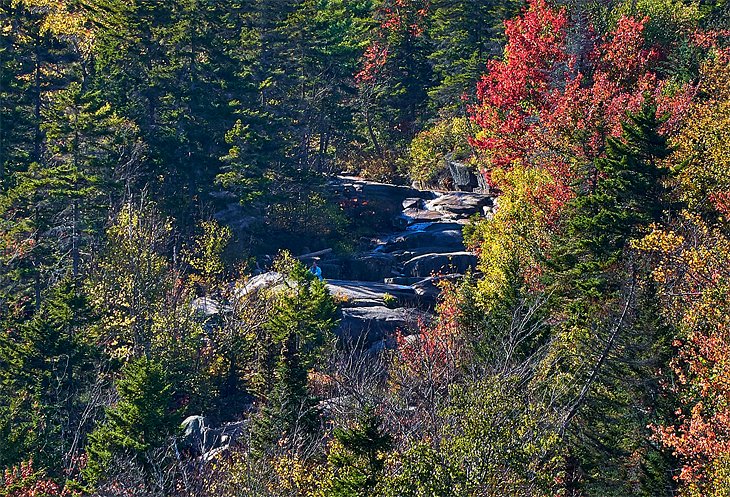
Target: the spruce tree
pixel 299 329
pixel 140 421
pixel 357 458
pixel 46 364
pixel 612 340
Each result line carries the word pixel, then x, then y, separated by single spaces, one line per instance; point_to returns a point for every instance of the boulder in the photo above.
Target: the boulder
pixel 331 269
pixel 236 216
pixel 350 186
pixel 261 281
pixel 450 239
pixel 429 289
pixel 364 326
pixel 374 266
pixel 463 176
pixel 201 440
pixel 413 203
pixel 413 215
pixel 368 294
pixel 449 226
pixel 207 306
pixel 449 263
pixel 460 204
pixel 404 256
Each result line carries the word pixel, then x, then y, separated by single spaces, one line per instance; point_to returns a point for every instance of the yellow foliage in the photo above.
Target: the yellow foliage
pixel 62 22
pixel 517 235
pixel 701 154
pixel 430 147
pixel 300 477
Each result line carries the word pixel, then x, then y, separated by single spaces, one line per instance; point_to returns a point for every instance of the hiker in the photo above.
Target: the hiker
pixel 316 270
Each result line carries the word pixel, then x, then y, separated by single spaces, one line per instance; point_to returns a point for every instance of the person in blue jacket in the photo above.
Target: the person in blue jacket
pixel 316 270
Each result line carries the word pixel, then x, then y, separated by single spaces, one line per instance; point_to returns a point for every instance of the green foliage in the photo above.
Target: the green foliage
pixel 46 368
pixel 501 444
pixel 299 328
pixel 141 420
pixel 612 335
pixel 464 34
pixel 625 199
pixel 447 140
pixel 390 301
pixel 421 471
pixel 357 457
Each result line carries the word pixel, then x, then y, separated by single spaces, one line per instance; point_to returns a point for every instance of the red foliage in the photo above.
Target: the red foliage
pixel 545 107
pixel 436 350
pixel 517 88
pixel 373 61
pixel 25 481
pixel 397 18
pixel 703 433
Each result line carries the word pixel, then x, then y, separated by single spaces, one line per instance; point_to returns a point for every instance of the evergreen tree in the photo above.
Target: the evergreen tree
pixel 53 205
pixel 612 341
pixel 46 364
pixel 627 197
pixel 358 457
pixel 464 35
pixel 141 420
pixel 300 327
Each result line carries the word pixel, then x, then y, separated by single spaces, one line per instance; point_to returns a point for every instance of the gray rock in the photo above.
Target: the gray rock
pixel 236 216
pixel 206 306
pixel 349 186
pixel 371 267
pixel 413 203
pixel 451 239
pixel 429 289
pixel 462 175
pixel 444 226
pixel 450 263
pixel 331 269
pixel 403 280
pixel 460 204
pixel 369 294
pixel 413 215
pixel 404 256
pixel 262 281
pixel 199 439
pixel 364 326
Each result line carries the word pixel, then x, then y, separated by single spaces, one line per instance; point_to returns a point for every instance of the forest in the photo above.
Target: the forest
pixel 520 210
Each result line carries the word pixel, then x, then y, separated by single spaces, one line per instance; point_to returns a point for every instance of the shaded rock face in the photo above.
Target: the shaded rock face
pixel 465 178
pixel 449 263
pixel 364 326
pixel 446 240
pixel 374 266
pixel 204 441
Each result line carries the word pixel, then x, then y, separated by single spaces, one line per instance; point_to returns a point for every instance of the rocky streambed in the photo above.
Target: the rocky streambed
pixel 392 283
